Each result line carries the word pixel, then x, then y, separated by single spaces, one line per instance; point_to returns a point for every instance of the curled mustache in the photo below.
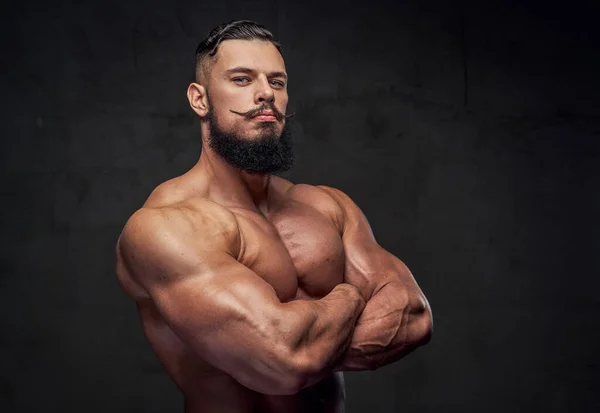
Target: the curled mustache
pixel 254 112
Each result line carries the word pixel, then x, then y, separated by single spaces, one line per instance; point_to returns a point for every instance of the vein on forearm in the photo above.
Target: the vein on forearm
pixel 384 332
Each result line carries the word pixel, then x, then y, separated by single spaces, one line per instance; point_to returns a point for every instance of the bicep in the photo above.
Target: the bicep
pixel 219 299
pixel 397 315
pixel 368 265
pixel 371 267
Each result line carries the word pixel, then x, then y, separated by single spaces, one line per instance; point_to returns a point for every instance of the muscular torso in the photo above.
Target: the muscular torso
pixel 296 247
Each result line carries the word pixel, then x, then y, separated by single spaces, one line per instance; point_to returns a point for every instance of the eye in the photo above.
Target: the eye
pixel 277 83
pixel 241 80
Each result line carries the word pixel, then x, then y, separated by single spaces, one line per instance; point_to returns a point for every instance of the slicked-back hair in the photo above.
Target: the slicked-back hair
pixel 234 30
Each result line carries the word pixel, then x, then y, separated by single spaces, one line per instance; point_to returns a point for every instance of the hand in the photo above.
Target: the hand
pixel 353 293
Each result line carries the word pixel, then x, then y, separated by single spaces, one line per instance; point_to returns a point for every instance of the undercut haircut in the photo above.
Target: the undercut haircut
pixel 234 30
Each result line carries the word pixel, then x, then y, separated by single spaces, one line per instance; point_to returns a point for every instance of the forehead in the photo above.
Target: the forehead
pixel 259 55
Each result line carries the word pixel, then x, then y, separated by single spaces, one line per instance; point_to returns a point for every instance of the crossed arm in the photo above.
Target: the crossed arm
pixel 233 319
pixel 397 317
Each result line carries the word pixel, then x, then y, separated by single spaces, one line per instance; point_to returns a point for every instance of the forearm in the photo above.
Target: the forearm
pixel 394 322
pixel 323 330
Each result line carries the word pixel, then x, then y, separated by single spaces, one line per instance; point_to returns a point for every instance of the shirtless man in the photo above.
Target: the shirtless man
pixel 256 293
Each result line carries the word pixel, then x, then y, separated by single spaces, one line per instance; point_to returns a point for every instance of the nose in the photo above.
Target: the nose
pixel 264 92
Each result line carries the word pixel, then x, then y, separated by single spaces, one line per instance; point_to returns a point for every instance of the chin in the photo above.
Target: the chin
pixel 270 126
pixel 264 132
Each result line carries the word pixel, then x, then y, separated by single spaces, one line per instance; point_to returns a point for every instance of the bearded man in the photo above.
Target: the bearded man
pixel 254 292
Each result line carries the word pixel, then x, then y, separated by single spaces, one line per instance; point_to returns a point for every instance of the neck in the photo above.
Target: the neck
pixel 232 185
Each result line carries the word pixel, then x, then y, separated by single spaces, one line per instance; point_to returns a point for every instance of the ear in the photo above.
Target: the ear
pixel 196 94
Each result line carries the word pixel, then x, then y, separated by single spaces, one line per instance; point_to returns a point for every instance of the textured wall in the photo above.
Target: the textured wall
pixel 468 134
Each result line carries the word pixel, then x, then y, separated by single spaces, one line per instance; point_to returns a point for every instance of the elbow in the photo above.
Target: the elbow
pixel 272 374
pixel 303 369
pixel 283 370
pixel 299 364
pixel 425 330
pixel 423 327
pixel 286 386
pixel 294 374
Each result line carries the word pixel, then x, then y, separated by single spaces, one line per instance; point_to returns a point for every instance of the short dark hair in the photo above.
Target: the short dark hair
pixel 234 30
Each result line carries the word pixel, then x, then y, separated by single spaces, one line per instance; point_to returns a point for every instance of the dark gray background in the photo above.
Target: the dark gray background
pixel 469 135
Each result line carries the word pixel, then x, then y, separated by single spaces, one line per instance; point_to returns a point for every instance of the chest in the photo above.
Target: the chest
pixel 297 250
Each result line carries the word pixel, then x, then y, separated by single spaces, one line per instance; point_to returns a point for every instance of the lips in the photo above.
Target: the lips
pixel 265 116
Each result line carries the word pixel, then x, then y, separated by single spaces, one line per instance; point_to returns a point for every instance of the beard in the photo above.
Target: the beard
pixel 269 153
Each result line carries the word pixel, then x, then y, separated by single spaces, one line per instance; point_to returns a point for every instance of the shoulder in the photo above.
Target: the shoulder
pixel 178 210
pixel 348 215
pixel 178 233
pixel 323 195
pixel 169 193
pixel 330 201
pixel 338 195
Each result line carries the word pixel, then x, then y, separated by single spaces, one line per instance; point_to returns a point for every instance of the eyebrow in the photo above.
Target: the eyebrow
pixel 241 69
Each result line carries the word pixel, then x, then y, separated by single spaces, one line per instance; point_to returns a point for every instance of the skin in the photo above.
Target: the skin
pixel 256 293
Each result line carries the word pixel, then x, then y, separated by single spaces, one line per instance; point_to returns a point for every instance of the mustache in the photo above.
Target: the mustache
pixel 254 112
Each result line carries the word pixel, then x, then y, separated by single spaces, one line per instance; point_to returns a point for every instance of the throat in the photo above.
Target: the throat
pixel 232 187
